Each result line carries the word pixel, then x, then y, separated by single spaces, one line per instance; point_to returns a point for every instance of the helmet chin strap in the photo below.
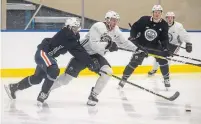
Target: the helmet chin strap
pixel 108 25
pixel 75 29
pixel 170 24
pixel 156 20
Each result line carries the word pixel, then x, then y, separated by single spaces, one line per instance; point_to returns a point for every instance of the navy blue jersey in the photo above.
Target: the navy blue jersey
pixel 60 43
pixel 149 33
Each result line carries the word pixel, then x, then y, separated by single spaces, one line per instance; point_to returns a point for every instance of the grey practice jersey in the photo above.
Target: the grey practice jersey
pixel 93 45
pixel 177 34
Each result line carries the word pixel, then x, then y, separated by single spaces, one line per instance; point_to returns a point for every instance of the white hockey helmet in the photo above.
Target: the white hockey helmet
pixel 157 8
pixel 170 14
pixel 73 22
pixel 112 14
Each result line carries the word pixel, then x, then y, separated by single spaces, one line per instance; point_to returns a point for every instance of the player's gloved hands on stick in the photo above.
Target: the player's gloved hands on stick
pixel 140 48
pixel 134 41
pixel 112 46
pixel 94 66
pixel 167 53
pixel 189 47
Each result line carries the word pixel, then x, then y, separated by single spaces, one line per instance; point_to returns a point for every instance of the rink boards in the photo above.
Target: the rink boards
pixel 18 49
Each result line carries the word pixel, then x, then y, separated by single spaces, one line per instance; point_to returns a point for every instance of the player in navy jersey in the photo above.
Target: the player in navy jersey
pixel 66 40
pixel 177 36
pixel 150 32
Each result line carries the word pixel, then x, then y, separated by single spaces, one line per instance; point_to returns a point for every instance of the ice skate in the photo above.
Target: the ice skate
pixel 167 83
pixel 92 100
pixel 151 73
pixel 121 85
pixel 11 90
pixel 42 105
pixel 41 100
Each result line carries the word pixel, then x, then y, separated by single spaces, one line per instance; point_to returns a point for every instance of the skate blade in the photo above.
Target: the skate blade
pixel 42 105
pixel 91 103
pixel 167 88
pixel 120 88
pixel 39 105
pixel 151 75
pixel 8 92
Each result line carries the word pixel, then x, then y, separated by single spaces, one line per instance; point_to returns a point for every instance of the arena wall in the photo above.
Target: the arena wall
pixel 18 49
pixel 187 11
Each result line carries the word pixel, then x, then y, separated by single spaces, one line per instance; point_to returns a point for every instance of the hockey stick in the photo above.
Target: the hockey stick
pixel 187 57
pixel 161 57
pixel 130 25
pixel 189 63
pixel 181 47
pixel 178 55
pixel 126 49
pixel 172 98
pixel 198 60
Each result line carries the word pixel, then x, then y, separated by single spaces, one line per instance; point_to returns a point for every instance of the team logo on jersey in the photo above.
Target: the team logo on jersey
pixel 51 53
pixel 105 38
pixel 170 37
pixel 136 57
pixel 150 34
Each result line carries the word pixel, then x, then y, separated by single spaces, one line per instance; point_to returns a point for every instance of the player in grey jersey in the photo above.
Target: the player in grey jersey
pixel 102 37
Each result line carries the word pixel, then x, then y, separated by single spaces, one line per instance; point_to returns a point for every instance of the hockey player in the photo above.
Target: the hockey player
pixel 67 39
pixel 102 37
pixel 177 35
pixel 150 32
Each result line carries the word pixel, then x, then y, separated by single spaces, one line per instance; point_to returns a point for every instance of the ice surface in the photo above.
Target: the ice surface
pixel 67 105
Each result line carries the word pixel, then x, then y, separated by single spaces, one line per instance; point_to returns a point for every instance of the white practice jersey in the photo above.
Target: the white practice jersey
pixel 93 45
pixel 177 34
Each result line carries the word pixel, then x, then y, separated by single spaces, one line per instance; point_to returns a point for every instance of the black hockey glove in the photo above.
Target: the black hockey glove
pixel 167 53
pixel 94 66
pixel 112 46
pixel 131 39
pixel 189 47
pixel 135 42
pixel 143 50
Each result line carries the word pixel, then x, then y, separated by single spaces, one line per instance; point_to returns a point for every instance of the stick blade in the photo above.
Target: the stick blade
pixel 175 96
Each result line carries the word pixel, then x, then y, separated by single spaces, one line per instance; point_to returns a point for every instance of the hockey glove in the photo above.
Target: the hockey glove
pixel 167 53
pixel 94 66
pixel 112 47
pixel 140 48
pixel 189 47
pixel 131 39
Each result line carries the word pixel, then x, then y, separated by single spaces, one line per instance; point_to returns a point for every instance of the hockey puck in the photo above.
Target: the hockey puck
pixel 188 108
